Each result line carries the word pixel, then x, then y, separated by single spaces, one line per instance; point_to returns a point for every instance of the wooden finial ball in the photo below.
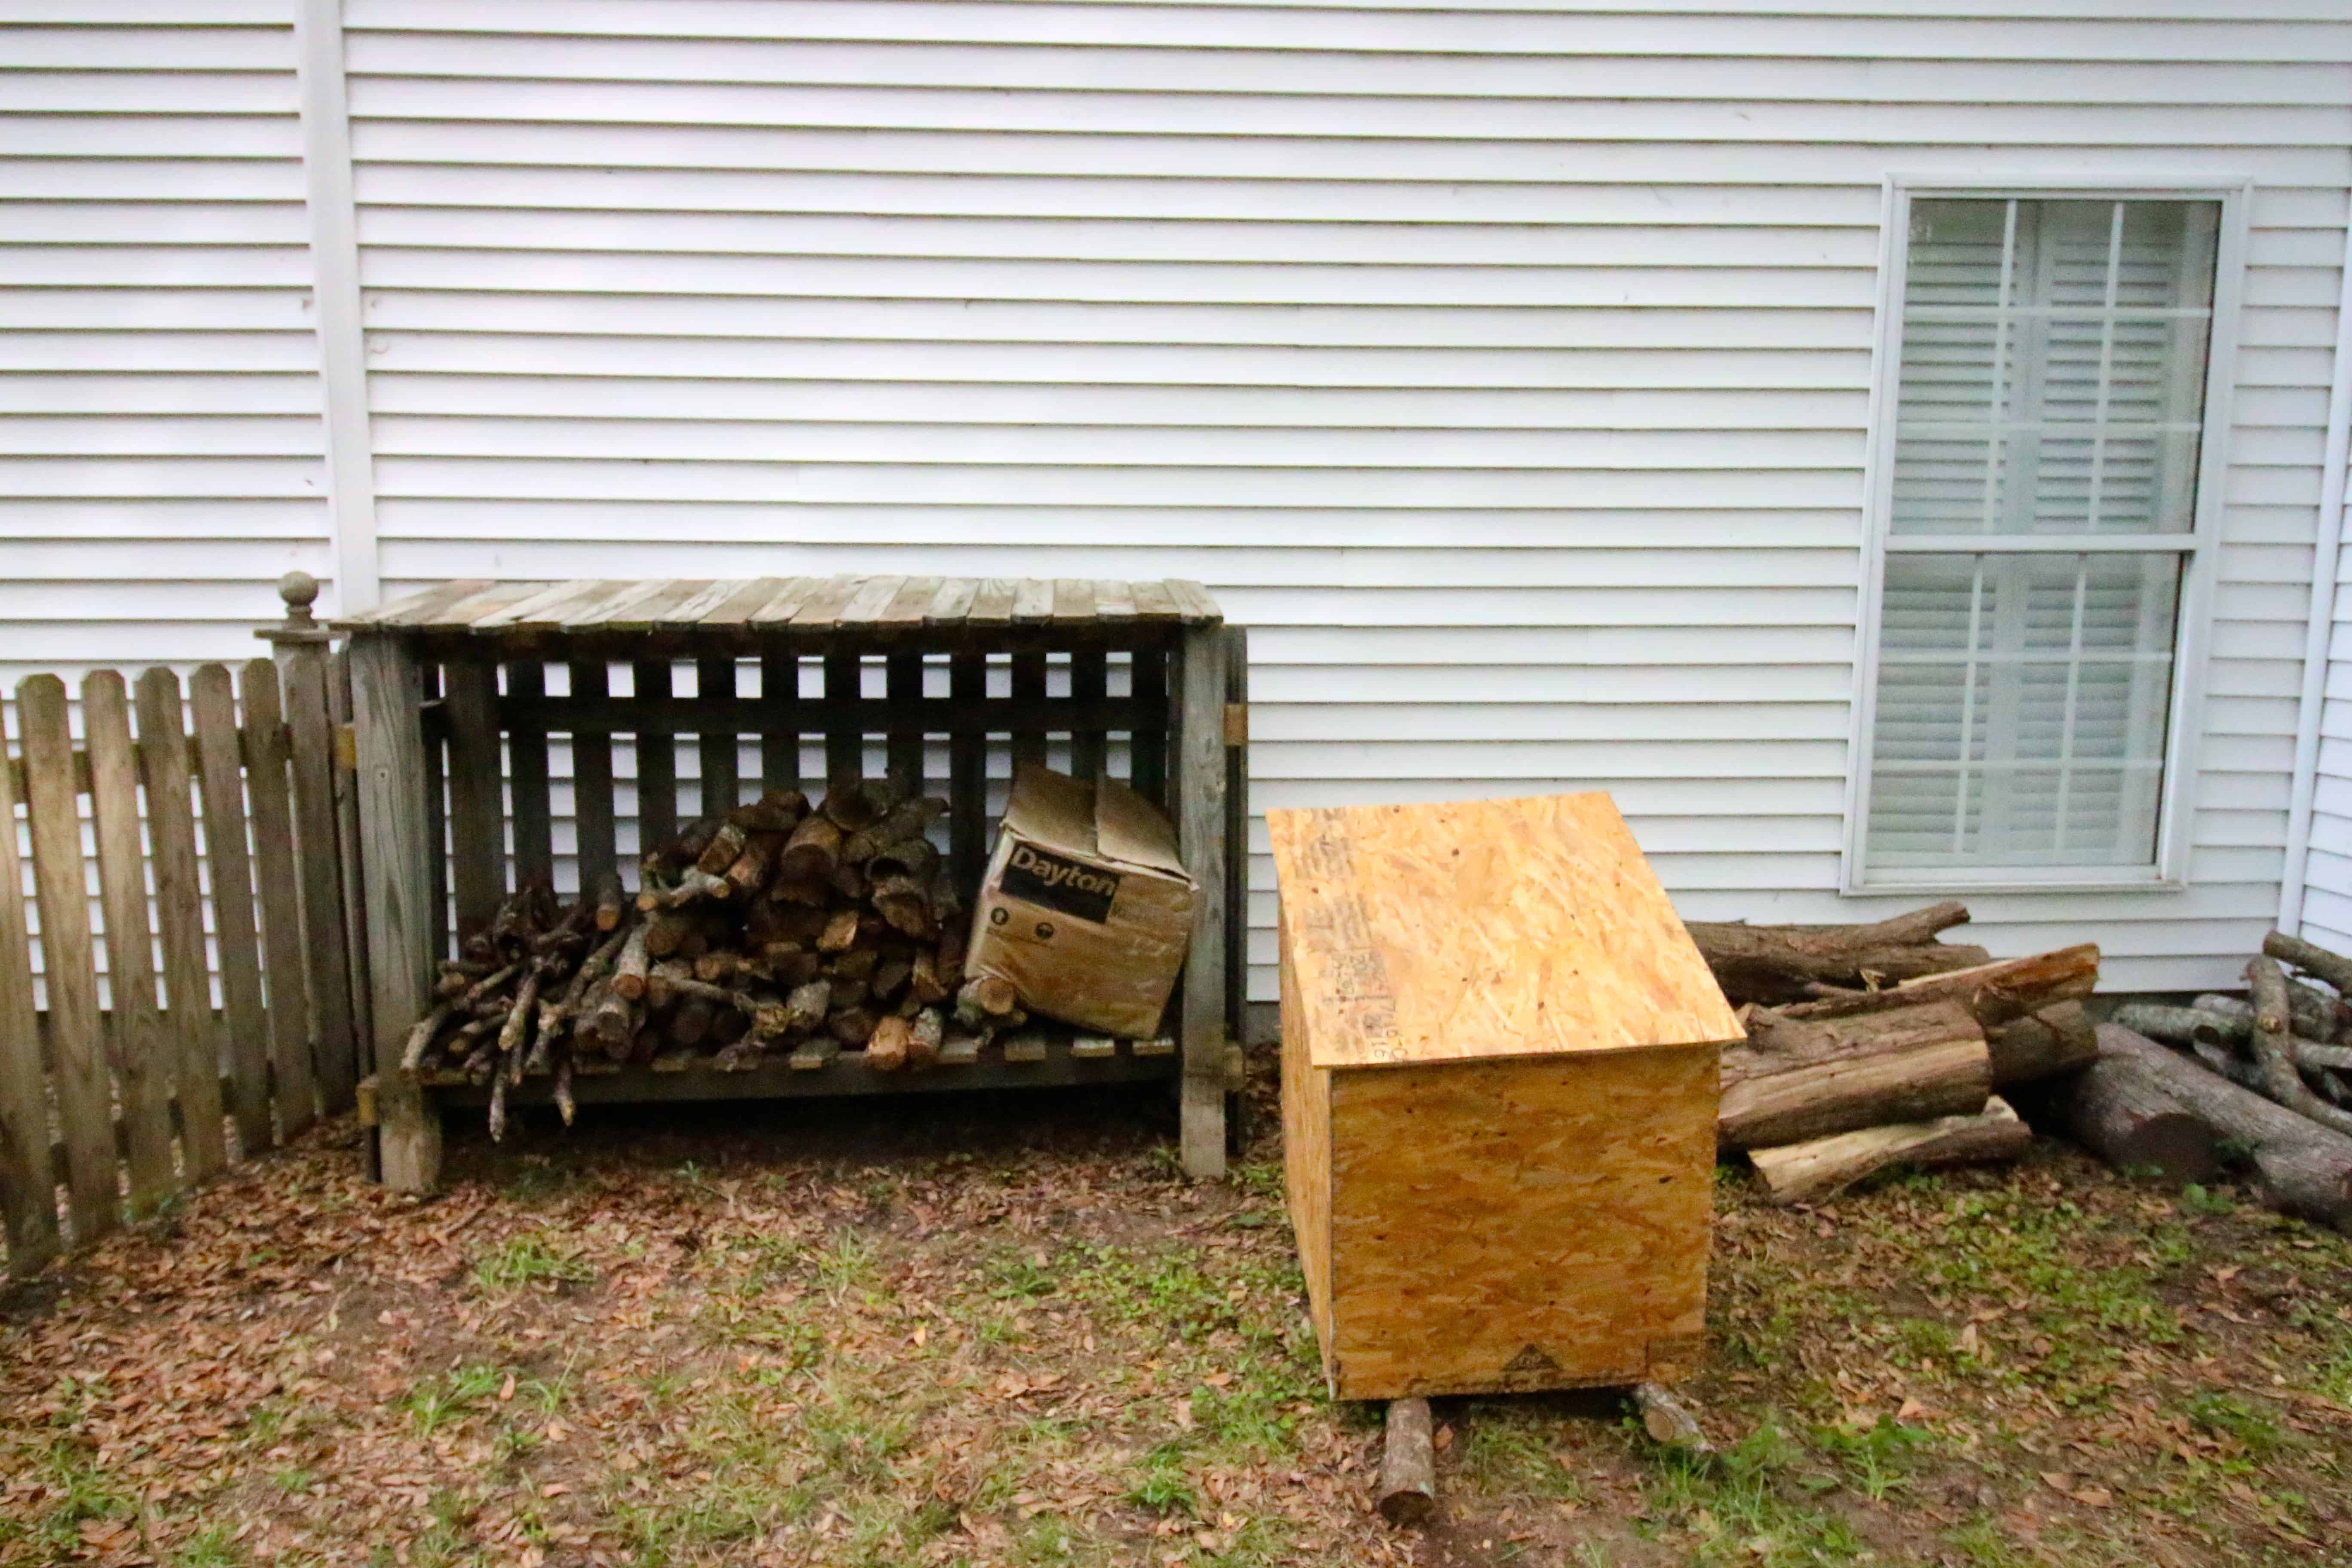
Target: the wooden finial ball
pixel 297 589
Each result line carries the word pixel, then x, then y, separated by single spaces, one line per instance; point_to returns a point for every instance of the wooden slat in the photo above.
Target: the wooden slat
pixel 786 602
pixel 534 827
pixel 873 597
pixel 461 616
pixel 992 603
pixel 68 960
pixel 648 613
pixel 194 1053
pixel 220 775
pixel 845 743
pixel 548 612
pixel 903 673
pixel 1236 842
pixel 592 779
pixel 478 835
pixel 28 1200
pixel 1088 680
pixel 911 603
pixel 1029 694
pixel 1147 744
pixel 423 608
pixel 409 608
pixel 968 777
pixel 1200 829
pixel 1114 600
pixel 1193 601
pixel 597 614
pixel 325 944
pixel 780 731
pixel 1074 600
pixel 737 609
pixel 142 1069
pixel 820 608
pixel 387 691
pixel 952 602
pixel 690 613
pixel 1153 602
pixel 1033 601
pixel 282 911
pixel 435 761
pixel 347 864
pixel 657 759
pixel 715 677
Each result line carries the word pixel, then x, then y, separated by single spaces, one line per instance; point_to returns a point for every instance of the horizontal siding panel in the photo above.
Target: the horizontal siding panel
pixel 95 392
pixel 1479 726
pixel 211 436
pixel 1005 485
pixel 189 222
pixel 149 136
pixel 149 180
pixel 1346 72
pixel 1565 33
pixel 147 93
pixel 181 266
pixel 163 478
pixel 102 523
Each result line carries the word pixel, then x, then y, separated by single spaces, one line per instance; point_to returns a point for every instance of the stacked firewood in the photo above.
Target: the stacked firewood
pixel 1875 1046
pixel 2268 1074
pixel 776 931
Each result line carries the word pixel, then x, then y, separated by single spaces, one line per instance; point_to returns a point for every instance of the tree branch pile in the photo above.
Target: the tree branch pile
pixel 2269 1074
pixel 1876 1046
pixel 776 932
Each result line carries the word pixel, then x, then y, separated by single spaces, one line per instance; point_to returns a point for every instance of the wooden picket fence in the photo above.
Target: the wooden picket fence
pixel 220 843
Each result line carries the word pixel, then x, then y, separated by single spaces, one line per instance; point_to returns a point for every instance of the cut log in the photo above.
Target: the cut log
pixel 1800 1172
pixel 812 852
pixel 906 903
pixel 1773 965
pixel 726 843
pixel 913 858
pixel 853 804
pixel 666 932
pixel 2058 1039
pixel 2123 1112
pixel 985 997
pixel 2312 958
pixel 629 969
pixel 929 1027
pixel 612 901
pixel 887 1047
pixel 840 932
pixel 851 1025
pixel 2313 1013
pixel 2275 1053
pixel 778 811
pixel 2305 1169
pixel 1796 1080
pixel 1668 1421
pixel 749 873
pixel 1996 993
pixel 1407 1463
pixel 923 982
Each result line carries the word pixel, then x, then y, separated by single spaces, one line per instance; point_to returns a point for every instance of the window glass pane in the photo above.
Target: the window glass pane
pixel 2053 366
pixel 2023 705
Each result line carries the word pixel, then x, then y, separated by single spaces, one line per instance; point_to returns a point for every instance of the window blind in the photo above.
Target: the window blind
pixel 2051 385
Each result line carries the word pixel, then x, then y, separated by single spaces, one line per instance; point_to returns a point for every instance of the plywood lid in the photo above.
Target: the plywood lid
pixel 1484 928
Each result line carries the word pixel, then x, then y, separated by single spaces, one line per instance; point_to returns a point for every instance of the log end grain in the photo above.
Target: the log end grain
pixel 1408 1483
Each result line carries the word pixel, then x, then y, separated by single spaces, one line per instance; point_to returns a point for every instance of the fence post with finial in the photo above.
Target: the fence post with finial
pixel 303 650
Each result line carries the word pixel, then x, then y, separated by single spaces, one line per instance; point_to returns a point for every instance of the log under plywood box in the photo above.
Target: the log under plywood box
pixel 1498 1084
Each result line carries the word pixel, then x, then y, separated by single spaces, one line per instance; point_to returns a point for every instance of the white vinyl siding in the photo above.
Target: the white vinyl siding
pixel 160 433
pixel 2040 522
pixel 1506 370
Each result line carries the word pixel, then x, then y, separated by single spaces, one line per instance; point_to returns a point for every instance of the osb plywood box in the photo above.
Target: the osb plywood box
pixel 1498 1096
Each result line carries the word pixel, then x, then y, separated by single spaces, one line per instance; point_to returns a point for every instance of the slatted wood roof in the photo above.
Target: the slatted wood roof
pixel 782 604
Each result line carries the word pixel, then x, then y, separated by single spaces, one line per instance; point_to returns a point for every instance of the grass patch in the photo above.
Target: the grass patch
pixel 529 1262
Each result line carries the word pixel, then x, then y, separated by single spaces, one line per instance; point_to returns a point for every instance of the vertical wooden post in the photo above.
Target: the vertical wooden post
pixel 1148 742
pixel 281 913
pixel 347 864
pixel 301 651
pixel 387 691
pixel 195 1052
pixel 968 775
pixel 715 683
pixel 28 1198
pixel 534 827
pixel 136 1044
pixel 85 1095
pixel 903 689
pixel 1200 831
pixel 1237 829
pixel 220 773
pixel 844 738
pixel 592 777
pixel 1028 705
pixel 657 754
pixel 477 794
pixel 779 725
pixel 1088 683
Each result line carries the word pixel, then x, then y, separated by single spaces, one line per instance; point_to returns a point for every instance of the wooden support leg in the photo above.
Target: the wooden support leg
pixel 1200 830
pixel 387 694
pixel 1408 1464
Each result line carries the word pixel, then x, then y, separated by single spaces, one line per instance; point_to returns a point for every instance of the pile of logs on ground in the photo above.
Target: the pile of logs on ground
pixel 1876 1046
pixel 2265 1076
pixel 776 931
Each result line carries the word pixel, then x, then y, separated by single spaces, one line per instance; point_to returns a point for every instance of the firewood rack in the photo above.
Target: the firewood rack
pixel 464 694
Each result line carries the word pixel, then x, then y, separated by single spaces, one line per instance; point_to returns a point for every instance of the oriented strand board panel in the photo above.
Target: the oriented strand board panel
pixel 1306 1150
pixel 1481 928
pixel 1520 1224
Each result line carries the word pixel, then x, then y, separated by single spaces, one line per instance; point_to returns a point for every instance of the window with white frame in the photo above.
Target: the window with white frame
pixel 2039 517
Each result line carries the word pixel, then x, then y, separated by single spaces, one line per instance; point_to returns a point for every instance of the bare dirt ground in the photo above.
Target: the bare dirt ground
pixel 1005 1332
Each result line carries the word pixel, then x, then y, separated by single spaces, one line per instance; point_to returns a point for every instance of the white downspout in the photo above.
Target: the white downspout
pixel 335 299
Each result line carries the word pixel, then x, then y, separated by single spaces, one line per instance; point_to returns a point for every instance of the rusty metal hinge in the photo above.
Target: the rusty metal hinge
pixel 347 748
pixel 1237 723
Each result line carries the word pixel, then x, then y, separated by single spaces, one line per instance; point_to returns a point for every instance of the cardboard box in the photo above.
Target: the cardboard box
pixel 1086 908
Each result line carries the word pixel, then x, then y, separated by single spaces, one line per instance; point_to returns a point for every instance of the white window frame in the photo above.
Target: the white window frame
pixel 2185 729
